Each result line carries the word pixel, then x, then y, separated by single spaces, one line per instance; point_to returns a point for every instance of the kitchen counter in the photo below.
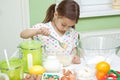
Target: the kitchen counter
pixel 87 72
pixel 113 60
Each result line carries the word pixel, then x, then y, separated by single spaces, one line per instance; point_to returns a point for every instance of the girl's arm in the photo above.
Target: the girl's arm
pixel 29 33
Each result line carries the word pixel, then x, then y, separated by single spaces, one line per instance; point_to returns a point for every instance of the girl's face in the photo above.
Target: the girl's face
pixel 62 24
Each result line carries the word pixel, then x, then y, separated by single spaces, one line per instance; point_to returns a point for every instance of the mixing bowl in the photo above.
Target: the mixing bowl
pixel 98 48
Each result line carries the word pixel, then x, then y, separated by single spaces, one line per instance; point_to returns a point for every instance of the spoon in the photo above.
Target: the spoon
pixel 63 45
pixel 6 58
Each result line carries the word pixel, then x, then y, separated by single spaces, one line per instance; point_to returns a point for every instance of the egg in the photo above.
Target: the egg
pixel 72 77
pixel 65 78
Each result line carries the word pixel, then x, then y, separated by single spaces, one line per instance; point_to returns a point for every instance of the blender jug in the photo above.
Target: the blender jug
pixel 30 53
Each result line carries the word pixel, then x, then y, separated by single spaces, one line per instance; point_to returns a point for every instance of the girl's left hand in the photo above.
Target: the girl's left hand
pixel 76 60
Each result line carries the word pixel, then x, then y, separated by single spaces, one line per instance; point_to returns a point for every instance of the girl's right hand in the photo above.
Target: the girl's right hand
pixel 44 31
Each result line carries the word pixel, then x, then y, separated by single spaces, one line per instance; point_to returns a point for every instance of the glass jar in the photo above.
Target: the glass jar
pixel 15 71
pixel 52 64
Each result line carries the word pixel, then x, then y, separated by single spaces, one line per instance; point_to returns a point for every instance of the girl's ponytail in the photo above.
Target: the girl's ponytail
pixel 49 13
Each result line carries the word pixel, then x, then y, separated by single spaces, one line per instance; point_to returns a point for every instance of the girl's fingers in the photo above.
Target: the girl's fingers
pixel 76 60
pixel 45 31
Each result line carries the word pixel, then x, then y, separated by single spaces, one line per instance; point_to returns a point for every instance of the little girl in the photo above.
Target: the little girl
pixel 60 23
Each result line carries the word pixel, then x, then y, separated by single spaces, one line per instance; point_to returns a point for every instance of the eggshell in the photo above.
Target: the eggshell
pixel 65 78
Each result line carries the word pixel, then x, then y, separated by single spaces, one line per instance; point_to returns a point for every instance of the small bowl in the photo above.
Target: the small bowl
pixel 65 59
pixel 85 72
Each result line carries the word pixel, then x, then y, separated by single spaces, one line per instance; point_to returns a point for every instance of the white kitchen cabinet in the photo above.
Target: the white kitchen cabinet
pixel 92 8
pixel 14 17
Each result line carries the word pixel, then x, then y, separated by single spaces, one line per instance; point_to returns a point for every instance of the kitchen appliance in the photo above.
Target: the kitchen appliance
pixel 30 53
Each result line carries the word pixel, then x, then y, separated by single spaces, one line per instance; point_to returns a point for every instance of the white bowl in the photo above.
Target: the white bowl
pixel 85 73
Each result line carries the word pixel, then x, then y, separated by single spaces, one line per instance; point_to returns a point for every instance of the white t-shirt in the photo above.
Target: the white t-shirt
pixel 70 38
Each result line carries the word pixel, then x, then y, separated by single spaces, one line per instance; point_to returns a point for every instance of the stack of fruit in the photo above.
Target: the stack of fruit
pixel 102 69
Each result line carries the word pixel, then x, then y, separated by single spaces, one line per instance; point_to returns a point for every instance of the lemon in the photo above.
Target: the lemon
pixel 37 69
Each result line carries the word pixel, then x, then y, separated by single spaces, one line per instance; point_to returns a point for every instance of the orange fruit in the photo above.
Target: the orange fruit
pixel 103 66
pixel 100 75
pixel 36 69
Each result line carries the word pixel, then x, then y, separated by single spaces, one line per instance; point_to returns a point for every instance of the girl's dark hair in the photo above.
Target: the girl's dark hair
pixel 66 8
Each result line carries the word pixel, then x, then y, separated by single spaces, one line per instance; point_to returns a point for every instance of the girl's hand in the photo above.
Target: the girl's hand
pixel 43 31
pixel 76 59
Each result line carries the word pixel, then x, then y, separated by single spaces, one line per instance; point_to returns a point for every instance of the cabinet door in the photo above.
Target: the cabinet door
pixel 14 17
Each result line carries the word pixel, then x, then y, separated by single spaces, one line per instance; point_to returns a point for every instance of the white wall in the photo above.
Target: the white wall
pixel 14 17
